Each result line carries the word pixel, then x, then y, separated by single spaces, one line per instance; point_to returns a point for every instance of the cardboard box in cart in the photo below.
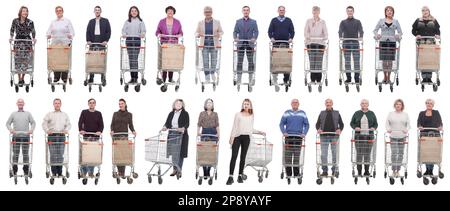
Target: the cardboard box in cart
pixel 430 150
pixel 171 57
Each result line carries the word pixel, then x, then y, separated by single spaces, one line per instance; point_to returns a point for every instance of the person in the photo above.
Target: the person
pixel 90 121
pixel 429 118
pixel 351 28
pixel 329 121
pixel 245 29
pixel 426 25
pixel 60 31
pixel 208 124
pixel 281 28
pixel 133 31
pixel 172 27
pixel 121 121
pixel 364 122
pixel 56 125
pixel 23 29
pixel 316 34
pixel 294 126
pixel 390 33
pixel 21 125
pixel 210 32
pixel 98 31
pixel 240 138
pixel 397 125
pixel 177 123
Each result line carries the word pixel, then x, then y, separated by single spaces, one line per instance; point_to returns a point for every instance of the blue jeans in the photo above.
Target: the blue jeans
pixel 133 50
pixel 209 55
pixel 208 131
pixel 174 143
pixel 397 152
pixel 325 141
pixel 352 47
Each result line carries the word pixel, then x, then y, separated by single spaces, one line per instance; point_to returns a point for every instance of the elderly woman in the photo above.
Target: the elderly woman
pixel 390 33
pixel 208 124
pixel 316 35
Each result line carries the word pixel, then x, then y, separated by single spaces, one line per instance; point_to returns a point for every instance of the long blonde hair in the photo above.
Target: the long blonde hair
pixel 430 17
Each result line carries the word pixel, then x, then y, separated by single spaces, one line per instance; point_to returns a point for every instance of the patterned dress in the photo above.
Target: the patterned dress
pixel 23 50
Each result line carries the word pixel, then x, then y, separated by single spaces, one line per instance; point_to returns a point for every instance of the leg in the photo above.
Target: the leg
pixel 334 154
pixel 205 58
pixel 347 59
pixel 296 163
pixel 324 142
pixel 214 61
pixel 320 54
pixel 234 153
pixel 245 143
pixel 240 59
pixel 359 156
pixel 288 158
pixel 311 61
pixel 251 65
pixel 356 61
pixel 26 156
pixel 15 158
pixel 56 76
pixel 64 76
pixel 170 76
pixel 164 75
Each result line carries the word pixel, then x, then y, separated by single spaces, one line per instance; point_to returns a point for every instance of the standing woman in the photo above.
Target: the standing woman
pixel 208 124
pixel 316 36
pixel 240 138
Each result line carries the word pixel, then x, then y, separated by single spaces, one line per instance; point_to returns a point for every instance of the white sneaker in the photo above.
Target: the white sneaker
pixel 213 77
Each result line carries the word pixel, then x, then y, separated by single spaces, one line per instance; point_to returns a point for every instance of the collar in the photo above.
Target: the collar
pixel 20 110
pixel 352 18
pixel 246 19
pixel 329 110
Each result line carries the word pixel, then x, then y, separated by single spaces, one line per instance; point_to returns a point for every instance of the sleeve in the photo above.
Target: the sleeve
pixel 45 122
pixel 377 28
pixel 437 28
pixel 33 30
pixel 234 130
pixel 360 29
pixel 186 124
pixel 181 29
pixel 168 123
pixel 318 123
pixel 142 28
pixel 197 31
pixel 158 29
pixel 439 119
pixel 81 121
pixel 419 120
pixel 32 122
pixel 305 125
pixel 124 28
pixel 408 124
pixel 341 123
pixel 67 124
pixel 49 30
pixel 220 30
pixel 113 122
pixel 291 30
pixel 283 123
pixel 353 121
pixel 71 30
pixel 399 29
pixel 217 119
pixel 414 28
pixel 199 123
pixel 130 123
pixel 270 30
pixel 236 30
pixel 325 31
pixel 306 30
pixel 341 30
pixel 88 32
pixel 108 30
pixel 12 31
pixel 256 32
pixel 101 126
pixel 375 121
pixel 388 122
pixel 9 122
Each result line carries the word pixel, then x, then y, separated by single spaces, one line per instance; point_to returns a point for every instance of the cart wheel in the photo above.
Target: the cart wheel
pixel 441 175
pixel 178 175
pixel 160 180
pixel 85 83
pixel 64 88
pixel 52 181
pixel 250 88
pixel 391 181
pixel 320 88
pixel 10 174
pixel 210 181
pixel 30 175
pixel 289 181
pixel 144 82
pixel 244 177
pixel 15 180
pixel 267 173
pixel 347 88
pixel 100 88
pixel 27 89
pixel 357 88
pixel 47 174
pixel 417 81
pixel 306 82
pixel 149 179
pixel 332 180
pixel 70 81
pixel 11 82
pixel 419 174
pixel 203 88
pixel 238 87
pixel 277 88
pixel 118 180
pixel 121 81
pixel 176 88
pixel 385 174
pixel 129 180
pixel 114 174
pixel 234 82
pixel 260 179
pixel 392 88
pixel 380 88
pixel 270 82
pixel 215 176
pixel 159 81
pixel 16 88
pixel 126 88
pixel 90 88
pixel 282 175
pixel 200 181
pixel 196 174
pixel 340 81
pixel 356 180
pixel 326 81
pixel 49 80
pixel 79 175
pixel 402 181
pixel 85 181
pixel 319 181
pixel 196 80
pixel 423 88
pixel 434 180
pixel 67 174
pixel 96 181
pixel 26 180
pixel 336 174
pixel 397 81
pixel 163 88
pixel 64 181
pixel 135 175
pixel 435 87
pixel 104 82
pixel 137 88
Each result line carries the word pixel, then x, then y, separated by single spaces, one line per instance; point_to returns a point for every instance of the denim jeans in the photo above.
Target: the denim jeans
pixel 325 142
pixel 352 47
pixel 209 55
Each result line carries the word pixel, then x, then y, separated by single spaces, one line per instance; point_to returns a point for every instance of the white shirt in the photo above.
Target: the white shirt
pixel 59 29
pixel 243 125
pixel 56 122
pixel 176 116
pixel 398 122
pixel 97 27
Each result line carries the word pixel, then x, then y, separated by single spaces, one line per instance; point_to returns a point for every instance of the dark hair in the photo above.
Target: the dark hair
pixel 123 100
pixel 56 99
pixel 97 7
pixel 129 13
pixel 351 7
pixel 92 99
pixel 20 11
pixel 171 8
pixel 246 7
pixel 250 110
pixel 389 7
pixel 59 7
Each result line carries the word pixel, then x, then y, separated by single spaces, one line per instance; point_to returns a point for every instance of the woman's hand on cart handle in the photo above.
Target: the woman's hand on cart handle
pixel 338 131
pixel 66 132
pixel 377 36
pixel 398 37
pixel 437 36
pixel 420 128
pixel 134 133
pixel 98 133
pixel 111 133
pixel 440 128
pixel 69 36
pixel 181 130
pixel 164 128
pixel 285 134
pixel 389 131
pixel 357 129
pixel 82 132
pixel 418 37
pixel 49 36
pixel 231 140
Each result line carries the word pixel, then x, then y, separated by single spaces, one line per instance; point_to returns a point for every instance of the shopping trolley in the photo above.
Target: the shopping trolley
pixel 316 61
pixel 90 156
pixel 387 58
pixel 396 157
pixel 350 61
pixel 210 65
pixel 241 66
pixel 96 63
pixel 163 149
pixel 281 53
pixel 430 153
pixel 20 153
pixel 123 145
pixel 59 61
pixel 364 153
pixel 170 60
pixel 57 156
pixel 428 60
pixel 207 156
pixel 22 63
pixel 327 154
pixel 259 155
pixel 293 156
pixel 132 60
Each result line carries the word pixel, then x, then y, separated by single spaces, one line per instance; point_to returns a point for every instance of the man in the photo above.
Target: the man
pixel 245 29
pixel 56 125
pixel 98 31
pixel 91 121
pixel 281 28
pixel 351 28
pixel 329 121
pixel 22 127
pixel 294 125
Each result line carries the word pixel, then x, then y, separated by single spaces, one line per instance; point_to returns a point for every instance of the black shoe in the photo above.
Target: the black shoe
pixel 230 180
pixel 170 80
pixel 173 173
pixel 65 81
pixel 91 80
pixel 21 83
pixel 357 81
pixel 366 173
pixel 348 81
pixel 359 173
pixel 240 180
pixel 55 80
pixel 324 174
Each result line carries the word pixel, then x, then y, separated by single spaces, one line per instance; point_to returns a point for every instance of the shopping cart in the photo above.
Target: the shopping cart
pixel 350 61
pixel 123 145
pixel 430 153
pixel 293 156
pixel 132 60
pixel 22 63
pixel 170 60
pixel 259 155
pixel 281 53
pixel 327 155
pixel 96 63
pixel 20 153
pixel 210 65
pixel 57 156
pixel 387 58
pixel 163 149
pixel 90 156
pixel 364 153
pixel 428 60
pixel 247 49
pixel 396 157
pixel 316 61
pixel 207 156
pixel 59 60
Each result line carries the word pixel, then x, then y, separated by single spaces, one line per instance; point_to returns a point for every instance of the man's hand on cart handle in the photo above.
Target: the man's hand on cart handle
pixel 290 40
pixel 98 133
pixel 338 131
pixel 82 132
pixel 12 131
pixel 104 43
pixel 181 130
pixel 357 129
pixel 272 39
pixel 440 128
pixel 49 36
pixel 49 132
pixel 66 132
pixel 30 132
pixel 319 131
pixel 285 134
pixel 437 36
pixel 111 133
pixel 253 40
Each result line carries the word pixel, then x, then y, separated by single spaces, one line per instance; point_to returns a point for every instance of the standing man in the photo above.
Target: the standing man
pixel 351 28
pixel 21 125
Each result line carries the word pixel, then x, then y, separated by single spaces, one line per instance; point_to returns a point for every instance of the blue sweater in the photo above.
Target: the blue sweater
pixel 281 30
pixel 294 122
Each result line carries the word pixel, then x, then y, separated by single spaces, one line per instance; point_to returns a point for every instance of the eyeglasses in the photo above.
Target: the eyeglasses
pixel 208 11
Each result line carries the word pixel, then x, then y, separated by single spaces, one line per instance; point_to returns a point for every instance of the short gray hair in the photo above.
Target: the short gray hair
pixel 316 8
pixel 429 101
pixel 208 8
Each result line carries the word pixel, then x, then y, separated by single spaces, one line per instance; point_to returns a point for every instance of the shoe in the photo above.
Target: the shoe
pixel 91 80
pixel 357 81
pixel 174 173
pixel 239 179
pixel 366 173
pixel 230 180
pixel 21 83
pixel 324 174
pixel 359 173
pixel 170 80
pixel 348 81
pixel 65 81
pixel 55 80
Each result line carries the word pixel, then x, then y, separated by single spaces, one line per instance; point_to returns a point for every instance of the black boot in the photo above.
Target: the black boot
pixel 230 180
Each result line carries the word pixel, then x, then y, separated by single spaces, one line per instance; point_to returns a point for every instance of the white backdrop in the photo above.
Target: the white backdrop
pixel 150 107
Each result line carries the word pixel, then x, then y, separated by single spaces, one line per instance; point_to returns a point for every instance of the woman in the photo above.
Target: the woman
pixel 133 30
pixel 397 124
pixel 390 33
pixel 178 123
pixel 22 27
pixel 427 25
pixel 208 124
pixel 316 35
pixel 429 119
pixel 121 121
pixel 169 26
pixel 240 138
pixel 364 122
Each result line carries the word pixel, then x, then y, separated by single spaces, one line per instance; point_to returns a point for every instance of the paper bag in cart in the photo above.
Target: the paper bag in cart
pixel 91 153
pixel 123 152
pixel 207 153
pixel 281 60
pixel 171 57
pixel 430 150
pixel 95 62
pixel 58 58
pixel 428 57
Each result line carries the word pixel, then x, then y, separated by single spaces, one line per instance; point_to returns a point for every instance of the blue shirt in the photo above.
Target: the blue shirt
pixel 209 41
pixel 294 122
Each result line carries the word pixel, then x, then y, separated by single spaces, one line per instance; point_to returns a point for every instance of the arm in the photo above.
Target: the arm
pixel 49 30
pixel 219 29
pixel 180 32
pixel 12 31
pixel 414 28
pixel 67 124
pixel 375 121
pixel 291 30
pixel 439 119
pixel 142 28
pixel 9 122
pixel 124 28
pixel 408 124
pixel 341 30
pixel 71 30
pixel 88 39
pixel 33 30
pixel 168 123
pixel 199 124
pixel 437 28
pixel 113 122
pixel 399 29
pixel 197 31
pixel 158 29
pixel 130 123
pixel 318 123
pixel 81 121
pixel 283 123
pixel 45 123
pixel 107 31
pixel 325 31
pixel 341 123
pixel 32 123
pixel 255 32
pixel 353 121
pixel 306 31
pixel 305 125
pixel 234 130
pixel 388 123
pixel 236 30
pixel 419 120
pixel 360 30
pixel 270 30
pixel 101 126
pixel 377 28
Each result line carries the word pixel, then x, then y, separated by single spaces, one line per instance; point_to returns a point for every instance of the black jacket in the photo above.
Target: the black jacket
pixel 183 121
pixel 105 30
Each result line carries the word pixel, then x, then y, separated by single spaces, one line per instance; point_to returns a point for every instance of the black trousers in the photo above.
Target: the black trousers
pixel 315 54
pixel 243 142
pixel 292 150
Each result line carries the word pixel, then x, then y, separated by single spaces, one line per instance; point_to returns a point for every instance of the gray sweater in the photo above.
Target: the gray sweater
pixel 351 28
pixel 388 32
pixel 21 121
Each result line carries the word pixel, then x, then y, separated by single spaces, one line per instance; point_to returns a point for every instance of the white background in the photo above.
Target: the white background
pixel 150 107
